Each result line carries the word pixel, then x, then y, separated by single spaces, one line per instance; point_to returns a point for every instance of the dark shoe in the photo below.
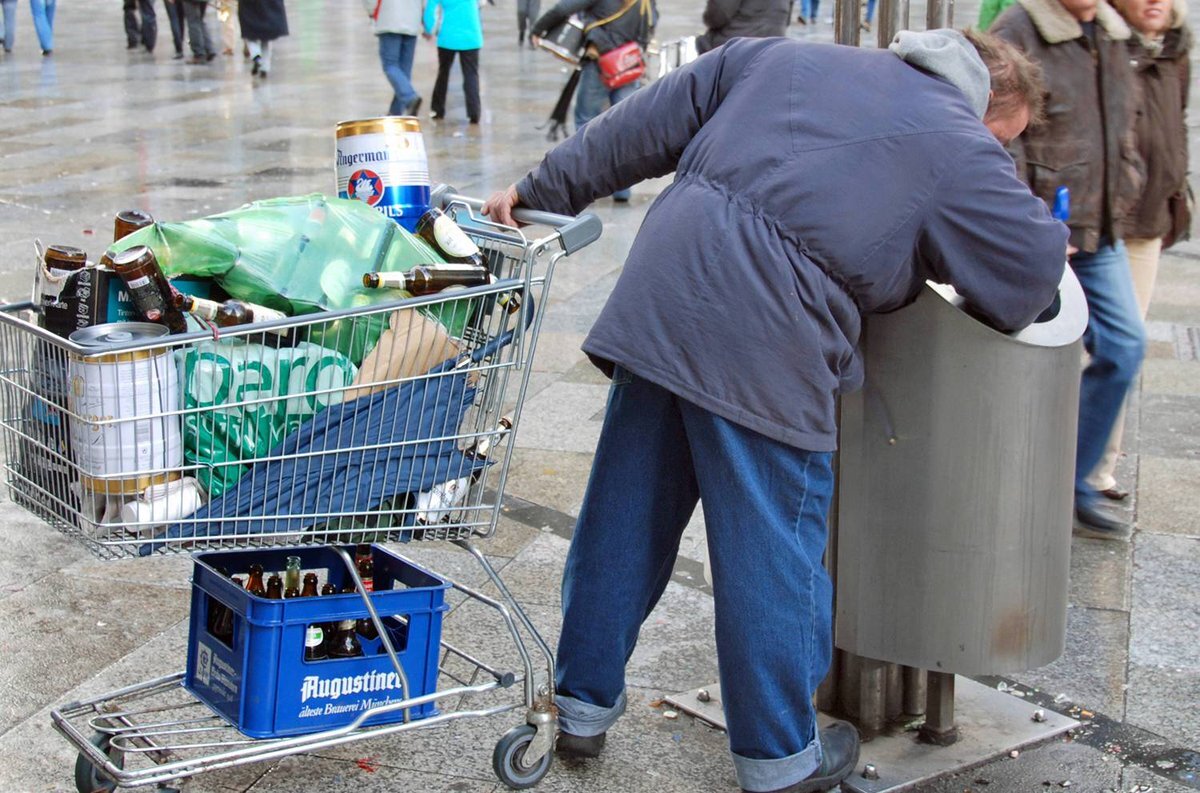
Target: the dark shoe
pixel 131 45
pixel 1092 522
pixel 801 20
pixel 578 747
pixel 472 120
pixel 436 116
pixel 1115 493
pixel 839 756
pixel 210 56
pixel 177 56
pixel 47 53
pixel 413 107
pixel 254 69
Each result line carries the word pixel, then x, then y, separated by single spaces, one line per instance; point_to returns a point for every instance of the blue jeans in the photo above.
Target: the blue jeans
pixel 808 9
pixel 592 98
pixel 10 23
pixel 870 10
pixel 396 51
pixel 1116 341
pixel 765 507
pixel 43 22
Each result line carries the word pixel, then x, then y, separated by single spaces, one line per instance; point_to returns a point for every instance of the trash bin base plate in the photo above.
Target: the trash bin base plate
pixel 990 723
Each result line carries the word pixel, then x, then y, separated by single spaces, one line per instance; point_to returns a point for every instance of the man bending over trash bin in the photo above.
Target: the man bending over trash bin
pixel 813 183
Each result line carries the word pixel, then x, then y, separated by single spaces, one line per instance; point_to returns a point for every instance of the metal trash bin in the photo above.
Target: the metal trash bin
pixel 956 480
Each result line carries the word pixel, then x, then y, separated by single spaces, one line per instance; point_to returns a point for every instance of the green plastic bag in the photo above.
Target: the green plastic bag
pixel 241 399
pixel 301 255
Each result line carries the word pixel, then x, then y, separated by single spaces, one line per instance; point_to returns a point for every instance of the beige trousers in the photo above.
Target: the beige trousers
pixel 1143 266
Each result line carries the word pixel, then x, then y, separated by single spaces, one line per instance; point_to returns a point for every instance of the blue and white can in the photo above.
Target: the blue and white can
pixel 382 162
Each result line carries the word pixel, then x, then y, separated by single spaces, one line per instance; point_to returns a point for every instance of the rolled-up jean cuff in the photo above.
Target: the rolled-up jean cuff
pixel 778 772
pixel 584 719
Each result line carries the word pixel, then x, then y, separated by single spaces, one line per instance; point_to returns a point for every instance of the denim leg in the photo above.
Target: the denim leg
pixel 391 51
pixel 639 497
pixel 1116 341
pixel 43 15
pixel 175 18
pixel 590 95
pixel 765 509
pixel 149 24
pixel 870 10
pixel 10 23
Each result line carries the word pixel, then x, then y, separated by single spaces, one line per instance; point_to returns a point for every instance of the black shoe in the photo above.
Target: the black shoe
pixel 1115 493
pixel 578 747
pixel 131 45
pixel 1092 522
pixel 801 20
pixel 257 64
pixel 209 57
pixel 839 756
pixel 436 116
pixel 413 107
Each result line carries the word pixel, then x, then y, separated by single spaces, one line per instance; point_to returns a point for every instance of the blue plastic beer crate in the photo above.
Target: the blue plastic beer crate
pixel 259 678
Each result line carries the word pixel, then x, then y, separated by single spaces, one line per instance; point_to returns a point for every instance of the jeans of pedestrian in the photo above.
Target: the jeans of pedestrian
pixel 43 22
pixel 808 9
pixel 1115 340
pixel 396 52
pixel 870 10
pixel 147 31
pixel 765 506
pixel 592 98
pixel 175 18
pixel 469 59
pixel 199 39
pixel 9 8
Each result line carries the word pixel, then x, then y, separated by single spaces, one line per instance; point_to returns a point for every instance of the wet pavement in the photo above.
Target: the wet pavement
pixel 96 128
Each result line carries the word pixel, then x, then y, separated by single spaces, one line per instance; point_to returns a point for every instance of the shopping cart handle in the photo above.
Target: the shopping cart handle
pixel 575 233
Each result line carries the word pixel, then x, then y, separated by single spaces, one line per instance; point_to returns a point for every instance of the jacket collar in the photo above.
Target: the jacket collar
pixel 1055 25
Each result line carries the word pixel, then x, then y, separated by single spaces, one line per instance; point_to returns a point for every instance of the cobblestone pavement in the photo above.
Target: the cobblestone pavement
pixel 96 128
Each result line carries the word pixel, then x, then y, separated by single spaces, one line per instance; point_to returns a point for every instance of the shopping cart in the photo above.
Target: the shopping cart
pixel 670 55
pixel 409 445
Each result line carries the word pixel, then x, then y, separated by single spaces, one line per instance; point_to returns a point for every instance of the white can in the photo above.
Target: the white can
pixel 125 429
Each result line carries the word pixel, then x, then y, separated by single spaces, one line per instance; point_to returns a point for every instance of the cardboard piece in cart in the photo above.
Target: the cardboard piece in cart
pixel 411 346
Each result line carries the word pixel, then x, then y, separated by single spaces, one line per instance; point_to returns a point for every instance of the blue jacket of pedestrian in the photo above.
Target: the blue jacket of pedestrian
pixel 813 183
pixel 461 28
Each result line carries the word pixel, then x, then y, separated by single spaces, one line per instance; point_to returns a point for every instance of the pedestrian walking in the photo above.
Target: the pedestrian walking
pixel 143 31
pixel 1087 146
pixel 199 37
pixel 1158 50
pixel 735 323
pixel 727 19
pixel 397 23
pixel 460 34
pixel 609 25
pixel 8 16
pixel 175 18
pixel 527 12
pixel 43 23
pixel 262 21
pixel 227 14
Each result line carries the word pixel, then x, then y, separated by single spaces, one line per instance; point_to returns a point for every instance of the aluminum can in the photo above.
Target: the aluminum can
pixel 125 426
pixel 382 162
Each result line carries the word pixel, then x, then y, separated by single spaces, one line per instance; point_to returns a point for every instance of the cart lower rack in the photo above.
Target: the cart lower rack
pixel 283 446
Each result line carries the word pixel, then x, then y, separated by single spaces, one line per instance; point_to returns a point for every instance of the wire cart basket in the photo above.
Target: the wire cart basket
pixel 288 439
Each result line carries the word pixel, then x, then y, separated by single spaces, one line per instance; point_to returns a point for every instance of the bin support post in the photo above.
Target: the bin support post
pixel 894 682
pixel 939 727
pixel 871 696
pixel 914 690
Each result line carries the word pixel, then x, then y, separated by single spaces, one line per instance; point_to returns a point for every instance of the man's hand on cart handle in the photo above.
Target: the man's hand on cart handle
pixel 501 204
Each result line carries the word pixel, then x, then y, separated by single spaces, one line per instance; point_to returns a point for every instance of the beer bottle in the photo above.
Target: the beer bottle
pixel 427 279
pixel 128 221
pixel 451 242
pixel 366 566
pixel 314 643
pixel 148 287
pixel 254 584
pixel 275 587
pixel 63 259
pixel 310 586
pixel 345 641
pixel 197 306
pixel 291 574
pixel 239 312
pixel 328 628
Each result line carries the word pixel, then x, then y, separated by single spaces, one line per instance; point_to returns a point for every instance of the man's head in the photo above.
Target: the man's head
pixel 1018 90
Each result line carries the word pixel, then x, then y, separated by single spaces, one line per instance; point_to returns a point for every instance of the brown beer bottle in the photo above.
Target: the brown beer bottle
pixel 197 306
pixel 328 628
pixel 428 279
pixel 148 287
pixel 345 642
pixel 310 586
pixel 239 312
pixel 63 259
pixel 254 584
pixel 275 587
pixel 128 221
pixel 366 566
pixel 451 242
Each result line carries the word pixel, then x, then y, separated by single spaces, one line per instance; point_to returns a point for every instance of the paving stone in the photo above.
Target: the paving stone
pixel 551 419
pixel 1166 701
pixel 1100 574
pixel 1169 496
pixel 1180 378
pixel 1165 618
pixel 1171 426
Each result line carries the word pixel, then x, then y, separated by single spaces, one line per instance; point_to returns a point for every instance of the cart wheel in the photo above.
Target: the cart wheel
pixel 508 759
pixel 88 778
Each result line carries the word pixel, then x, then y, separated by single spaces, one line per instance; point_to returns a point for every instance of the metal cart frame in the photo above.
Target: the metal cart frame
pixel 169 733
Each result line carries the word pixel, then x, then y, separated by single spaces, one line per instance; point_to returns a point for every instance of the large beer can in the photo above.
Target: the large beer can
pixel 382 162
pixel 126 432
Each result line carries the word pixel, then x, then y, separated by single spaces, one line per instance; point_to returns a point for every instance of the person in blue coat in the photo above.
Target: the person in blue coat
pixel 460 34
pixel 735 324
